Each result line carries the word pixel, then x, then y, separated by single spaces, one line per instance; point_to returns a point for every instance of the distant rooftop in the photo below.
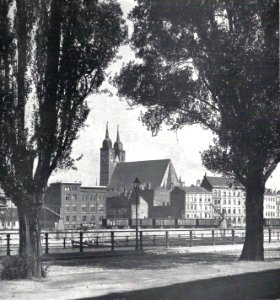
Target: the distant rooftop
pixel 194 190
pixel 149 171
pixel 223 182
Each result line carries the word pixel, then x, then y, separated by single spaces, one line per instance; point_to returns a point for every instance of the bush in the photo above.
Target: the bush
pixel 14 267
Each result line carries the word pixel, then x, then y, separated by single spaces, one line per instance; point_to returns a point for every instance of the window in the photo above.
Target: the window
pixel 84 208
pixel 67 188
pixel 84 218
pixel 67 208
pixel 92 218
pixel 101 218
pixel 74 218
pixel 74 208
pixel 67 197
pixel 74 197
pixel 100 208
pixel 92 208
pixel 67 218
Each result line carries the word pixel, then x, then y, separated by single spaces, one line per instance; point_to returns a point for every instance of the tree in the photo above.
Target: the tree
pixel 213 63
pixel 53 54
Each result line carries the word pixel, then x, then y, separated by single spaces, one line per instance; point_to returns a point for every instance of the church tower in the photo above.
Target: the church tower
pixel 107 164
pixel 109 157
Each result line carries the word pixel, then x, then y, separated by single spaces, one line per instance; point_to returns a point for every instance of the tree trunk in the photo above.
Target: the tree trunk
pixel 30 243
pixel 253 246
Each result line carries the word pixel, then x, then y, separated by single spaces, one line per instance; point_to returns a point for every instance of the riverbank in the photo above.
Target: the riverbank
pixel 152 272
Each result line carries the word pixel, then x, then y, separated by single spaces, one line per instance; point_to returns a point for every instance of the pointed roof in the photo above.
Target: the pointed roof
pixel 223 182
pixel 194 190
pixel 118 144
pixel 107 143
pixel 150 172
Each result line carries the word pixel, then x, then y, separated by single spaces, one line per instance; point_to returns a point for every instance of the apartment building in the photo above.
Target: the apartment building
pixel 70 206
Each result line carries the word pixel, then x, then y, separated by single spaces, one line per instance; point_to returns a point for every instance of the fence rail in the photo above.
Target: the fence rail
pixel 100 240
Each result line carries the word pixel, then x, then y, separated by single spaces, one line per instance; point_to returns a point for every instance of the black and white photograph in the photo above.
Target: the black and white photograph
pixel 139 150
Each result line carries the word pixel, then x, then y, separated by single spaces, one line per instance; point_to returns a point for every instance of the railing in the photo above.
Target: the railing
pixel 114 239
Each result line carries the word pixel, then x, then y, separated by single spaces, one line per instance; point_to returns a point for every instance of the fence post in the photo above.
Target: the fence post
pixel 97 241
pixel 166 239
pixel 64 242
pixel 8 244
pixel 213 237
pixel 141 240
pixel 81 241
pixel 46 243
pixel 269 235
pixel 126 241
pixel 233 236
pixel 191 240
pixel 112 241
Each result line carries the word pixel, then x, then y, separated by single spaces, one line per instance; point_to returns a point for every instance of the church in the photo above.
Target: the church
pixel 157 178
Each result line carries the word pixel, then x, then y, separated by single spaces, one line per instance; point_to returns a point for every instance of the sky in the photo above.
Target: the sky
pixel 182 147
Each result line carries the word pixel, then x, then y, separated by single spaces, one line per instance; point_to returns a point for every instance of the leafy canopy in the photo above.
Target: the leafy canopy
pixel 213 63
pixel 53 54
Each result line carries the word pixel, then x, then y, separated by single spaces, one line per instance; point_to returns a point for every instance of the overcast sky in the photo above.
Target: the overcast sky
pixel 182 147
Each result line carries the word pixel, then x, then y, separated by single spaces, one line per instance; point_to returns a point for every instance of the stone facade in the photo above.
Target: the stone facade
pixel 228 195
pixel 70 206
pixel 191 203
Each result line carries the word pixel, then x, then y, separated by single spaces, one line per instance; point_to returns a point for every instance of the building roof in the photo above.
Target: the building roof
pixel 194 190
pixel 223 182
pixel 150 172
pixel 99 187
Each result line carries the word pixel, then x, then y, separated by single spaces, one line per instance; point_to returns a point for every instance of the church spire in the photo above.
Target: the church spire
pixel 107 131
pixel 118 144
pixel 107 143
pixel 118 135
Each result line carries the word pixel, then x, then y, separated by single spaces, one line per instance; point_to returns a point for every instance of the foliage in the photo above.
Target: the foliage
pixel 56 52
pixel 214 63
pixel 53 54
